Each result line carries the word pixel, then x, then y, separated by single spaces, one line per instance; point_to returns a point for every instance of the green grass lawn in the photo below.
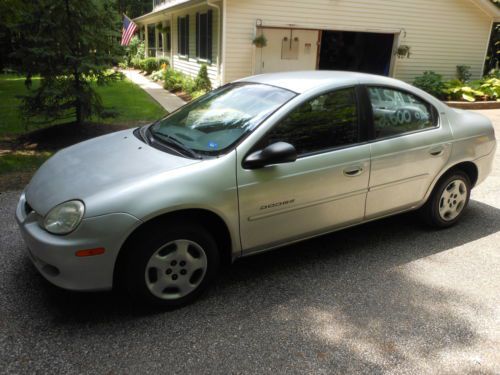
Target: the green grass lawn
pixel 130 102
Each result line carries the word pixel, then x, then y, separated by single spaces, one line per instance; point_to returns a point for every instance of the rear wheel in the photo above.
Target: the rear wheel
pixel 171 267
pixel 448 200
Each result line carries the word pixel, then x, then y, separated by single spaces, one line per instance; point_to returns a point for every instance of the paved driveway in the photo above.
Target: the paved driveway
pixel 390 296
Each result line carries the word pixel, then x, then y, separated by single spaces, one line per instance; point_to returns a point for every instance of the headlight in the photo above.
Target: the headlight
pixel 64 218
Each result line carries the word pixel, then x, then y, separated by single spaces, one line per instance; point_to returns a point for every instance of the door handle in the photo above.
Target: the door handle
pixel 353 171
pixel 436 151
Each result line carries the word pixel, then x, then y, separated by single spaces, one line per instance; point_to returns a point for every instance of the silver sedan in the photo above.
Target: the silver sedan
pixel 253 165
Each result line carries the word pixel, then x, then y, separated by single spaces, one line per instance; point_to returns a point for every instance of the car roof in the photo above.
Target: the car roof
pixel 302 81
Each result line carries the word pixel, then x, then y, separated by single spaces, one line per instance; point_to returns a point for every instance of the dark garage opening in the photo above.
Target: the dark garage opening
pixel 356 51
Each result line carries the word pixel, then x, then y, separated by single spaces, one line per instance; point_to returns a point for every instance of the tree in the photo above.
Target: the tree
pixel 134 8
pixel 493 54
pixel 71 45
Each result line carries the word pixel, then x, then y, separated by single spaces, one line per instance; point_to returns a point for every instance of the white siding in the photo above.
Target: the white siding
pixel 441 33
pixel 191 65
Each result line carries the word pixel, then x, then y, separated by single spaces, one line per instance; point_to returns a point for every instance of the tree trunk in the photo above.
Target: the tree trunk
pixel 78 101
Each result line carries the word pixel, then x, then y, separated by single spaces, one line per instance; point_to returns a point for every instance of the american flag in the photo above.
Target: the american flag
pixel 128 30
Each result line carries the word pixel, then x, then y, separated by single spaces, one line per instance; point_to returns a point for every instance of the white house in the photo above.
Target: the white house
pixel 358 35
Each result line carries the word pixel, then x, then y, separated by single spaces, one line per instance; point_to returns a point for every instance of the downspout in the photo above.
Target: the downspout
pixel 172 40
pixel 219 43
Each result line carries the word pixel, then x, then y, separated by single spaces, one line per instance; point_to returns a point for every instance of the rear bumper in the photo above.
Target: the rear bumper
pixel 54 256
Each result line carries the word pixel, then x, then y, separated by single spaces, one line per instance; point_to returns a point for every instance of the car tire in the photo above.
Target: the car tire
pixel 448 200
pixel 170 267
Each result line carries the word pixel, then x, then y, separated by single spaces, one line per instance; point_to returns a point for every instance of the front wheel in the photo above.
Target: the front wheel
pixel 448 200
pixel 171 267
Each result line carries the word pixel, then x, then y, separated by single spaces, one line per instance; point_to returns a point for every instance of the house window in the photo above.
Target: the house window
pixel 168 41
pixel 183 35
pixel 204 35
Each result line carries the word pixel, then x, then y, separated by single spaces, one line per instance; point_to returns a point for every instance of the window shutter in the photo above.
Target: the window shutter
pixel 209 36
pixel 179 39
pixel 187 35
pixel 198 33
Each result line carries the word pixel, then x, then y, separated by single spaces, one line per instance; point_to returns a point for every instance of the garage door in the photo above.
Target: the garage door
pixel 287 50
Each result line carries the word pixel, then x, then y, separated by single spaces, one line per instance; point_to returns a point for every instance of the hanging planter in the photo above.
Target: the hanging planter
pixel 403 51
pixel 161 28
pixel 259 41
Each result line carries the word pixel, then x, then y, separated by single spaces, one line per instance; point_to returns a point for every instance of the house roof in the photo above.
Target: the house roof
pixel 161 9
pixel 485 5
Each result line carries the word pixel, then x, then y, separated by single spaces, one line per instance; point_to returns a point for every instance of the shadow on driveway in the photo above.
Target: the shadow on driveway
pixel 350 301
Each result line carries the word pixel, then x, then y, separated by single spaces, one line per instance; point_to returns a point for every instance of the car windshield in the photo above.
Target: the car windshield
pixel 219 119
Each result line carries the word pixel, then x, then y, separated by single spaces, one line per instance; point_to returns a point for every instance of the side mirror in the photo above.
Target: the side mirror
pixel 276 153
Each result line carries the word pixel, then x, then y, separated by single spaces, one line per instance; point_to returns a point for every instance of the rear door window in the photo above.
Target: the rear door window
pixel 397 112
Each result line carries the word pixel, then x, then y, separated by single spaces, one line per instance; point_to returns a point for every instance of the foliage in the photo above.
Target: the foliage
pixel 124 98
pixel 71 44
pixel 403 51
pixel 202 82
pixel 176 81
pixel 134 8
pixel 173 80
pixel 463 73
pixel 493 52
pixel 260 41
pixel 22 161
pixel 149 65
pixel 430 82
pixel 482 89
pixel 158 75
pixel 135 50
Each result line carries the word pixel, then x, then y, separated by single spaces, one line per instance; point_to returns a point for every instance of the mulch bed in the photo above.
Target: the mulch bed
pixel 474 105
pixel 57 137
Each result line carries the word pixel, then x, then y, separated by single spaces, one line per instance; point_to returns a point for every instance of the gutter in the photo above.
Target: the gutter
pixel 219 43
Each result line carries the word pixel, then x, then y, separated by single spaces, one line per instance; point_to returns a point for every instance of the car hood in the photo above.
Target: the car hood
pixel 93 166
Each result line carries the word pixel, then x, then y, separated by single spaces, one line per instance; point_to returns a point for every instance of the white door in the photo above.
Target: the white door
pixel 287 50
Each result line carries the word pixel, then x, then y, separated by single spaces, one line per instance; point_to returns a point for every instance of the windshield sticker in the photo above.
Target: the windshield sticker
pixel 213 145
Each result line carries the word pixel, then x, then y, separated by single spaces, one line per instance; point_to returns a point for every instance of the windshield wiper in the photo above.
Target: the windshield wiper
pixel 171 141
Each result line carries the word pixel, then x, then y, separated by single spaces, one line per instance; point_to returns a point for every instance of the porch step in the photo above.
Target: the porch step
pixel 166 99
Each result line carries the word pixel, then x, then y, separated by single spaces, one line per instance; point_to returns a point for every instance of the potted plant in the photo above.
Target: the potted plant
pixel 260 41
pixel 403 51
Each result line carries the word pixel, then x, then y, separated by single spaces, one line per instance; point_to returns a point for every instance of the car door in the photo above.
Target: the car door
pixel 411 146
pixel 324 188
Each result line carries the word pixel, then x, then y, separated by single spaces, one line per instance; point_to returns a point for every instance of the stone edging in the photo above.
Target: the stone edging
pixel 475 105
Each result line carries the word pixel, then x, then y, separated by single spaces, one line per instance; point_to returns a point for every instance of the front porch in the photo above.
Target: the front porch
pixel 188 33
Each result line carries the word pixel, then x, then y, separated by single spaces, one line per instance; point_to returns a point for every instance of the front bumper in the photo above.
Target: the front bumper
pixel 54 256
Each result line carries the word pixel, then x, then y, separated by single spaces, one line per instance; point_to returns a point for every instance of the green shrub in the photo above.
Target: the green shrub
pixel 482 89
pixel 163 60
pixel 197 94
pixel 176 81
pixel 158 75
pixel 202 82
pixel 430 82
pixel 493 73
pixel 149 65
pixel 173 80
pixel 463 73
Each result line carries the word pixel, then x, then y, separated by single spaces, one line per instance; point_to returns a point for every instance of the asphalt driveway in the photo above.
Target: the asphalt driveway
pixel 387 297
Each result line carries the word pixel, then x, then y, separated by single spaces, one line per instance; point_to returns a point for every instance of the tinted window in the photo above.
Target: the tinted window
pixel 396 112
pixel 329 120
